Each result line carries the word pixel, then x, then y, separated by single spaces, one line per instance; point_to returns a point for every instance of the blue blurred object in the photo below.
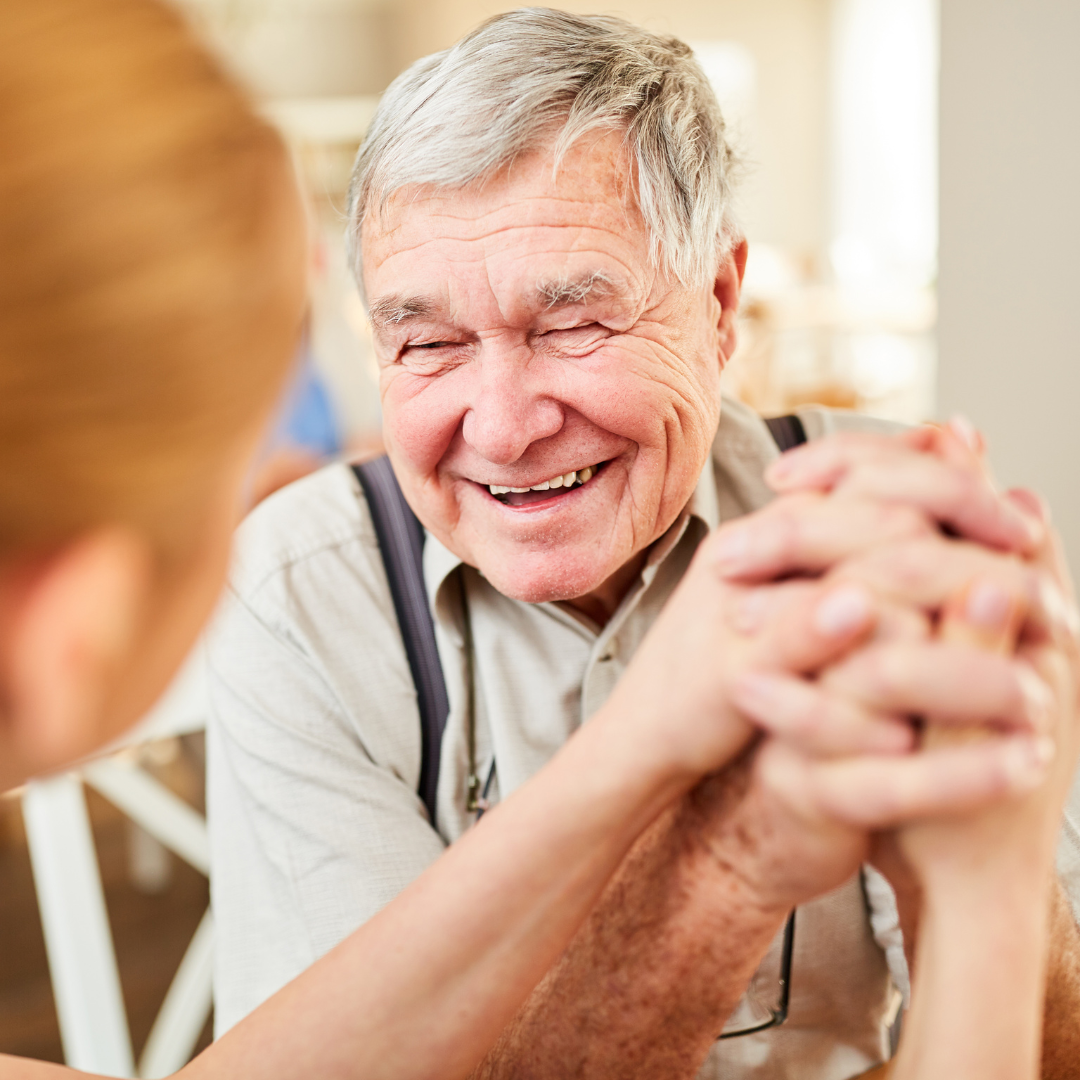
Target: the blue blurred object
pixel 307 419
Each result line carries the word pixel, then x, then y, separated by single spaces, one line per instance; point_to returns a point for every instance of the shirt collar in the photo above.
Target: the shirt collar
pixel 439 563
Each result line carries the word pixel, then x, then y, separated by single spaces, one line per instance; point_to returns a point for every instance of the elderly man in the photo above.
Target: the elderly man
pixel 542 228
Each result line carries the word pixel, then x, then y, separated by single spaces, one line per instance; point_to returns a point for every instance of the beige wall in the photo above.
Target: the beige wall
pixel 785 197
pixel 1010 237
pixel 298 48
pixel 301 48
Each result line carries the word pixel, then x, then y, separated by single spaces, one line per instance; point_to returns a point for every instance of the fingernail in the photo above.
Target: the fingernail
pixel 843 611
pixel 732 551
pixel 1037 698
pixel 1060 611
pixel 965 431
pixel 1026 761
pixel 988 606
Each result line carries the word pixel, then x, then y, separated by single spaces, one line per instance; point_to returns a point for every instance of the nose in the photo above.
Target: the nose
pixel 510 409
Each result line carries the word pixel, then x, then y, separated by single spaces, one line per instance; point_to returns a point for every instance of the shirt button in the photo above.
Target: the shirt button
pixel 609 653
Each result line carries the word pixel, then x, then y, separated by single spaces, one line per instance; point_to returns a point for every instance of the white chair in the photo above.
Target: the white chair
pixel 82 960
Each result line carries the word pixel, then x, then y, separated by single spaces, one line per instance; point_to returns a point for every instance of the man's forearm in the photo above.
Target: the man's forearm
pixel 1061 1024
pixel 645 987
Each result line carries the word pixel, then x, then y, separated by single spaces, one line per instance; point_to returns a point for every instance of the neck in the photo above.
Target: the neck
pixel 600 604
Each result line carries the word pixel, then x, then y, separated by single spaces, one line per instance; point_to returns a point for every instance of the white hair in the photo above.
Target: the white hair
pixel 537 77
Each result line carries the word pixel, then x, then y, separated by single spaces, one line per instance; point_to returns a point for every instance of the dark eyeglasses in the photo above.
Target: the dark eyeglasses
pixel 743 1021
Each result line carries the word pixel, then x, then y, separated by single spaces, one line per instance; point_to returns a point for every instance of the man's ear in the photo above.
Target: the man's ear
pixel 69 623
pixel 727 288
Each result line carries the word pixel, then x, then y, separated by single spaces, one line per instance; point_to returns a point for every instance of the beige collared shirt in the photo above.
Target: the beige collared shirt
pixel 315 747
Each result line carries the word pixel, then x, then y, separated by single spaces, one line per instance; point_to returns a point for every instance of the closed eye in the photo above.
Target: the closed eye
pixel 580 328
pixel 576 338
pixel 432 357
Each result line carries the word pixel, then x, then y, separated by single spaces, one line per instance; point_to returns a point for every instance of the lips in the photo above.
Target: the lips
pixel 546 490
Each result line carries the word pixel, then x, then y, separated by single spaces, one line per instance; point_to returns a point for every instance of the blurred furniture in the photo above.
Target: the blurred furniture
pixel 804 343
pixel 78 939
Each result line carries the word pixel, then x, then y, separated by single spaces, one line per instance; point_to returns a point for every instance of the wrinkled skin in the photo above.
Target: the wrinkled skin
pixel 484 381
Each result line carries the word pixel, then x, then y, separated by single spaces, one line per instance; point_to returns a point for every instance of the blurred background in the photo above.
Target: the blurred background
pixel 833 104
pixel 862 125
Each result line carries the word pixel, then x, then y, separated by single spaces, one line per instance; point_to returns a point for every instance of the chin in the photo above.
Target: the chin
pixel 546 577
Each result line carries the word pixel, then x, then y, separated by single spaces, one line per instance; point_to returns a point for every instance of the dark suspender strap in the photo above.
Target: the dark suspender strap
pixel 787 431
pixel 401 542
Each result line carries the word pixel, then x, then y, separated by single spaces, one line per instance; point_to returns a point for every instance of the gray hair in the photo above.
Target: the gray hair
pixel 529 76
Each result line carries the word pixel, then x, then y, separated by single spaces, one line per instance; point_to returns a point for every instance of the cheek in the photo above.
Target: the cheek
pixel 651 396
pixel 420 417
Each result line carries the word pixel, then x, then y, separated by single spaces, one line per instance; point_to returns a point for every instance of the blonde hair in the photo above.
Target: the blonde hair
pixel 141 323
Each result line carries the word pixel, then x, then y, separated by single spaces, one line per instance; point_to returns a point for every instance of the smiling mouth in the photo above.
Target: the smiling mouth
pixel 546 489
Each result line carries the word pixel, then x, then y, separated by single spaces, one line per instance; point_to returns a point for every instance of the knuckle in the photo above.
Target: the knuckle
pixel 882 672
pixel 907 563
pixel 900 522
pixel 968 489
pixel 799 502
pixel 900 623
pixel 1031 697
pixel 889 802
pixel 812 718
pixel 787 537
pixel 868 799
pixel 775 771
pixel 779 530
pixel 1052 602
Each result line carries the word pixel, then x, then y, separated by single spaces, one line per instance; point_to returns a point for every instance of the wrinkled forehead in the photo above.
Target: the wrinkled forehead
pixel 536 229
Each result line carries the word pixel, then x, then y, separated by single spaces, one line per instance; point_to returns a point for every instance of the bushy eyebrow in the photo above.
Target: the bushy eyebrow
pixel 563 291
pixel 394 310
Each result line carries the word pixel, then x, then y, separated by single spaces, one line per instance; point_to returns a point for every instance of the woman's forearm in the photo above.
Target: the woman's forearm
pixel 425 987
pixel 977 996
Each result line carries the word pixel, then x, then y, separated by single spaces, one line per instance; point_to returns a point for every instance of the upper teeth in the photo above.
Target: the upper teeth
pixel 582 476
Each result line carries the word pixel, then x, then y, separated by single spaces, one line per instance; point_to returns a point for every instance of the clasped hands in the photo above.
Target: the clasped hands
pixel 974 631
pixel 889 593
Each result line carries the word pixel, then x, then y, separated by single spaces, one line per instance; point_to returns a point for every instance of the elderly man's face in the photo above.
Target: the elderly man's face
pixel 525 338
